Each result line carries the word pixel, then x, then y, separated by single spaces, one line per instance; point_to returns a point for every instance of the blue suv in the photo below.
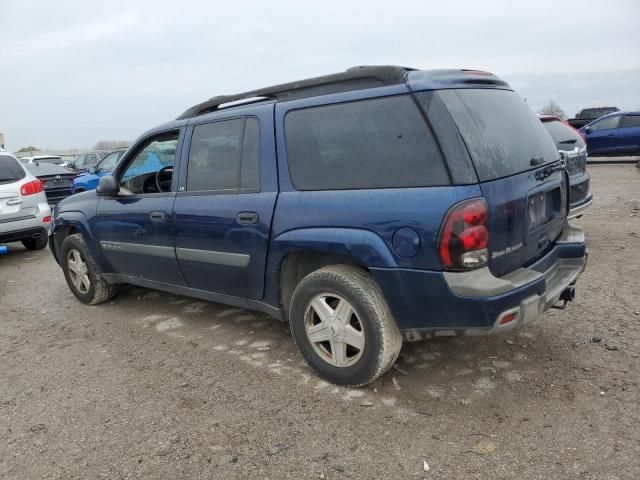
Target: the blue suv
pixel 614 134
pixel 363 208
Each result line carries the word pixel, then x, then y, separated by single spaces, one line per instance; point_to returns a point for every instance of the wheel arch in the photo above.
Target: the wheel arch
pixel 297 253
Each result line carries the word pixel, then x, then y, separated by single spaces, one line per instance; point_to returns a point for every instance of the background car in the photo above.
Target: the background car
pixel 25 215
pixel 89 180
pixel 572 146
pixel 587 115
pixel 83 162
pixel 614 134
pixel 56 180
pixel 52 159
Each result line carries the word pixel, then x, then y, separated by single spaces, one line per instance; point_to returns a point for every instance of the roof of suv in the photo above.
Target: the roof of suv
pixel 355 78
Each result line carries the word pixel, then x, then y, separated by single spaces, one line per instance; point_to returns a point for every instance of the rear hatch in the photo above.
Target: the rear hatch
pixel 571 144
pixel 57 181
pixel 519 169
pixel 13 206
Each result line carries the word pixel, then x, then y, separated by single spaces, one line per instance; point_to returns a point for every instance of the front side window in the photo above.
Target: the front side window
pixel 629 121
pixel 375 143
pixel 108 163
pixel 151 169
pixel 606 123
pixel 225 155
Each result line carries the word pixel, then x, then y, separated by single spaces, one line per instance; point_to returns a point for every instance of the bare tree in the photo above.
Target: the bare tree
pixel 110 144
pixel 552 108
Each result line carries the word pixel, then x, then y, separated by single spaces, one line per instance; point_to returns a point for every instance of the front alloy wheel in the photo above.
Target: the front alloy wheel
pixel 78 271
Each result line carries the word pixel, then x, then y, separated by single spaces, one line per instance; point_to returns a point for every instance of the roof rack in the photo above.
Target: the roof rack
pixel 355 78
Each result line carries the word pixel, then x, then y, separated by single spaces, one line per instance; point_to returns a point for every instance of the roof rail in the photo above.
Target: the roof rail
pixel 355 78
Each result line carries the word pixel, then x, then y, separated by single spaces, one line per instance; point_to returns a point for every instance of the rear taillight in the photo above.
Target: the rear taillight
pixel 464 237
pixel 31 188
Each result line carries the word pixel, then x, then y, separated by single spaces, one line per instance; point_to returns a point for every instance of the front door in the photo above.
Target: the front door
pixel 601 138
pixel 223 216
pixel 135 228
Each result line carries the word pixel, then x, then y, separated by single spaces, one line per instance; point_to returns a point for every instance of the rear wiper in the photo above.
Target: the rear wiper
pixel 536 161
pixel 546 171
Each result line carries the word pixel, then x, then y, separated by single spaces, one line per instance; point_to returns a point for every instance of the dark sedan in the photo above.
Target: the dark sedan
pixel 57 180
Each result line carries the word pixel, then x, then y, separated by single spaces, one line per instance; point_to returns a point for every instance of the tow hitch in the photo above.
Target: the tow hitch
pixel 565 297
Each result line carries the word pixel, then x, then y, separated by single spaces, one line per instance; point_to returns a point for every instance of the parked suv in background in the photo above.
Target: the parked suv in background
pixel 587 115
pixel 83 162
pixel 615 134
pixel 573 148
pixel 89 179
pixel 25 215
pixel 360 207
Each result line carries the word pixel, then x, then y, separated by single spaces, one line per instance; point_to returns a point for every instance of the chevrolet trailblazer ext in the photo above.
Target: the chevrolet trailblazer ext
pixel 361 207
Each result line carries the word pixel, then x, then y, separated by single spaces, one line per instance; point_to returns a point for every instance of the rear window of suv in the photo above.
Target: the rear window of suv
pixel 563 135
pixel 10 170
pixel 374 143
pixel 503 135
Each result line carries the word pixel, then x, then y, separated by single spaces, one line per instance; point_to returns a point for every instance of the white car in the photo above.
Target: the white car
pixel 56 160
pixel 25 215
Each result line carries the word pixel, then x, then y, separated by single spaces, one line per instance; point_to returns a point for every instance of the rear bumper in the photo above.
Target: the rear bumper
pixel 578 209
pixel 25 227
pixel 427 304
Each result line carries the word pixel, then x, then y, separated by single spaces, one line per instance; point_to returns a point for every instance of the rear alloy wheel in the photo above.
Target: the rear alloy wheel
pixel 343 326
pixel 81 272
pixel 334 330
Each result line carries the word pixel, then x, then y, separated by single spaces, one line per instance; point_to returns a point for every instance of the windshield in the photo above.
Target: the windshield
pixel 565 137
pixel 10 170
pixel 503 135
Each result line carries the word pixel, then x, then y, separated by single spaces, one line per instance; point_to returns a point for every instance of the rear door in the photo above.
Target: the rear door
pixel 629 134
pixel 14 206
pixel 225 202
pixel 519 169
pixel 602 136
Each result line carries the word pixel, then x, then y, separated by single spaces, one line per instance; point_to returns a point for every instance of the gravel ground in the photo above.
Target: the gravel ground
pixel 159 386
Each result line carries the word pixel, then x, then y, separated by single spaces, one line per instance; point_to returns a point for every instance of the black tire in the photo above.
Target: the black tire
pixel 99 290
pixel 382 339
pixel 35 243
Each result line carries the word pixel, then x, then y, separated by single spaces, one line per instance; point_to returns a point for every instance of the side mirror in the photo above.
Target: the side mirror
pixel 108 186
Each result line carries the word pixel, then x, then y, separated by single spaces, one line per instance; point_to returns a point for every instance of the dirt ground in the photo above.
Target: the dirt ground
pixel 153 385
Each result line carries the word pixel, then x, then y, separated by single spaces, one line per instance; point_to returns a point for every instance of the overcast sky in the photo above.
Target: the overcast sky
pixel 74 73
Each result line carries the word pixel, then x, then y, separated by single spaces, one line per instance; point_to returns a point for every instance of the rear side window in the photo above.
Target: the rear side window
pixel 563 135
pixel 10 170
pixel 376 143
pixel 225 155
pixel 503 135
pixel 630 121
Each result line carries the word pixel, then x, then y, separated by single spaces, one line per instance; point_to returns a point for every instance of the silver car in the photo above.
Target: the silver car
pixel 25 215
